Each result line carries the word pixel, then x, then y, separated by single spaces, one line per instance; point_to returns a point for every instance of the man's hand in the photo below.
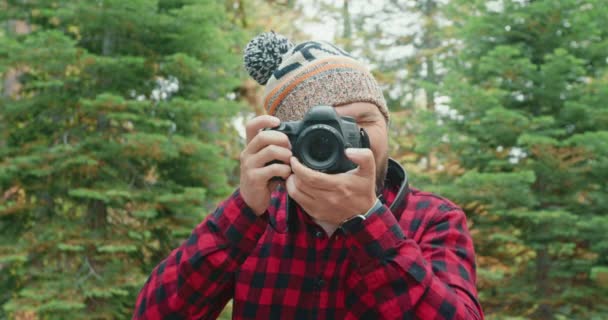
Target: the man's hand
pixel 262 148
pixel 336 197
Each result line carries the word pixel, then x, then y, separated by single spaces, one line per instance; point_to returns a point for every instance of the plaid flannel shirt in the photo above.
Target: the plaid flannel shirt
pixel 412 261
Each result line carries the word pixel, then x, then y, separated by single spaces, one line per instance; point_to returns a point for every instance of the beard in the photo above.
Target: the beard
pixel 381 170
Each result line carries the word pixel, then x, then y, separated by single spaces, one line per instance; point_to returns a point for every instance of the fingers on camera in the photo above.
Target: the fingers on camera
pixel 271 154
pixel 266 138
pixel 253 126
pixel 275 171
pixel 311 177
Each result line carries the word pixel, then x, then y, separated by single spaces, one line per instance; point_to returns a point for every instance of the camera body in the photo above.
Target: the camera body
pixel 319 139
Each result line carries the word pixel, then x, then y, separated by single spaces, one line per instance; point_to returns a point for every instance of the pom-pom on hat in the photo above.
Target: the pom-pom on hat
pixel 299 77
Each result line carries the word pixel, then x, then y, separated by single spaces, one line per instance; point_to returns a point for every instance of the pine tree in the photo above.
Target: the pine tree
pixel 527 131
pixel 409 41
pixel 113 147
pixel 403 41
pixel 405 44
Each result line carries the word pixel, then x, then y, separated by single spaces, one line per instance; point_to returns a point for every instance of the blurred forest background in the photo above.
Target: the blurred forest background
pixel 119 131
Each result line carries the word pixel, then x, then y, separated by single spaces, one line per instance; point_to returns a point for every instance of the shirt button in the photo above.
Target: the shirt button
pixel 321 283
pixel 319 234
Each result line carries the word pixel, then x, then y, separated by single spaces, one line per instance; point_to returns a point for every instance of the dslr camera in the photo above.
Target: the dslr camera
pixel 319 139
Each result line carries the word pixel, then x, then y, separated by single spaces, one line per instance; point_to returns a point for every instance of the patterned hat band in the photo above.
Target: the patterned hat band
pixel 330 81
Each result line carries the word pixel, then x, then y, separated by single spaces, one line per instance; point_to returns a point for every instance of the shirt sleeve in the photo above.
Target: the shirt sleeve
pixel 399 278
pixel 197 279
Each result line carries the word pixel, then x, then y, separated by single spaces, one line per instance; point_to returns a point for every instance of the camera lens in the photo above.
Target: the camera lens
pixel 320 147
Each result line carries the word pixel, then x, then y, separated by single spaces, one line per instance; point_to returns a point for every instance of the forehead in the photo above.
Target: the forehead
pixel 355 109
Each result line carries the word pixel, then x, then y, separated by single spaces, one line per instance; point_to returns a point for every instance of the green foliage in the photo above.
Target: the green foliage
pixel 528 131
pixel 101 175
pixel 112 148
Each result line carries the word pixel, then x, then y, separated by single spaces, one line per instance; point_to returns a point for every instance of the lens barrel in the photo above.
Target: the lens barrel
pixel 319 147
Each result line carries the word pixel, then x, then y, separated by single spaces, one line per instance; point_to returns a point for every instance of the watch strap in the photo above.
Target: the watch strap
pixel 349 225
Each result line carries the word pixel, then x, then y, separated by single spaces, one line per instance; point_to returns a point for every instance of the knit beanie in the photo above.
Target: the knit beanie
pixel 299 77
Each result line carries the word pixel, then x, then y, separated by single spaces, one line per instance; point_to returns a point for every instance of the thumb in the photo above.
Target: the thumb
pixel 364 158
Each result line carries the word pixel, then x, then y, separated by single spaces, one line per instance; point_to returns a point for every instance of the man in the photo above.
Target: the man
pixel 358 245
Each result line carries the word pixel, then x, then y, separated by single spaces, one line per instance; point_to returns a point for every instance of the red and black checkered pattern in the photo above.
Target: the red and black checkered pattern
pixel 416 262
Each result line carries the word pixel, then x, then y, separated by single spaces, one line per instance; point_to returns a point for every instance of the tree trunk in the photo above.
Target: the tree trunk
pixel 97 215
pixel 429 42
pixel 240 15
pixel 108 43
pixel 347 25
pixel 11 85
pixel 543 266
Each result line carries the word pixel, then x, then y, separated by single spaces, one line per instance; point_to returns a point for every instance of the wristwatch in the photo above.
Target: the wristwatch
pixel 353 223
